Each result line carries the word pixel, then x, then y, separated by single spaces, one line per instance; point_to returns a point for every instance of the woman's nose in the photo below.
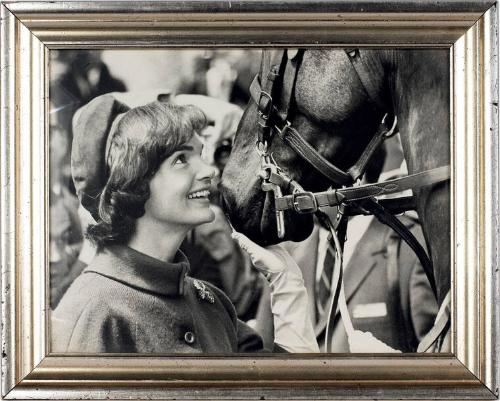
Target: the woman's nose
pixel 206 171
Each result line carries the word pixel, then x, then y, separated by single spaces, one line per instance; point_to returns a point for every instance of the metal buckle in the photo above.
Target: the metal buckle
pixel 262 147
pixel 304 202
pixel 285 127
pixel 265 113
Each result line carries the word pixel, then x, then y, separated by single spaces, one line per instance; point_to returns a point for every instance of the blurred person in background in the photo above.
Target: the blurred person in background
pixel 76 77
pixel 65 233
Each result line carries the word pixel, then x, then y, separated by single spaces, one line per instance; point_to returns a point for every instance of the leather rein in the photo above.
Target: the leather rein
pixel 348 196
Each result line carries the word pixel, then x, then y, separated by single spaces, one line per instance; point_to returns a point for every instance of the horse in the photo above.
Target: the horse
pixel 336 102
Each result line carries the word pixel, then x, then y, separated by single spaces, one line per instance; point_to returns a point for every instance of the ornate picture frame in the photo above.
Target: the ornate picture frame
pixel 30 29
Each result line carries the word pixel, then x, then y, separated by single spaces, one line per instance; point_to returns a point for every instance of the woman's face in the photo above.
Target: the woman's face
pixel 179 191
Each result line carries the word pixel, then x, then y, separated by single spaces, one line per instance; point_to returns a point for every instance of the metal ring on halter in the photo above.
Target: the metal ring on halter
pixel 392 131
pixel 261 147
pixel 339 214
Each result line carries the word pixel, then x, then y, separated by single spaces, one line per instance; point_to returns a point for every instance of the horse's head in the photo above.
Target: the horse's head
pixel 332 112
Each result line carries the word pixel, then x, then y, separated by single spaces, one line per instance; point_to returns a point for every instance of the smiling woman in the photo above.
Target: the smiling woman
pixel 141 142
pixel 179 193
pixel 141 175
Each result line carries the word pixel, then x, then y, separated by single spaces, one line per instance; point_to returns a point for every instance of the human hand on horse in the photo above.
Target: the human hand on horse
pixel 271 261
pixel 293 329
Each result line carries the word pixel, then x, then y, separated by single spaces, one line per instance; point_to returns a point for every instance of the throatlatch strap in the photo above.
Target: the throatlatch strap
pixel 383 131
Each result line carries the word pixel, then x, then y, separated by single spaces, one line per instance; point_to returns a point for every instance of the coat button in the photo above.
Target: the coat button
pixel 189 337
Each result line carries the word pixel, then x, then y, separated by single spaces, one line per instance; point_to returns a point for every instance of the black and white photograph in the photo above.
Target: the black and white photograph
pixel 279 200
pixel 249 199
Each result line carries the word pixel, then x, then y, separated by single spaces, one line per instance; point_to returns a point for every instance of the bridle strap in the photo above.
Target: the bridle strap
pixel 269 113
pixel 292 63
pixel 441 326
pixel 292 137
pixel 271 62
pixel 328 319
pixel 385 130
pixel 395 206
pixel 335 197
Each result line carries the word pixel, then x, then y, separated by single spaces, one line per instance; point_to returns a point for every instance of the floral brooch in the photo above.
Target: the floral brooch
pixel 203 292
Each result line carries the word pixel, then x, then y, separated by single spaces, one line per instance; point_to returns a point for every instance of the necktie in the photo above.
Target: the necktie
pixel 323 285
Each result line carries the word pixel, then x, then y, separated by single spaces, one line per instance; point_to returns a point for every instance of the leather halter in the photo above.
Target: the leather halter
pixel 274 119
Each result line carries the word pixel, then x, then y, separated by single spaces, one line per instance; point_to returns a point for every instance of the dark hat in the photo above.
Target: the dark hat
pixel 91 126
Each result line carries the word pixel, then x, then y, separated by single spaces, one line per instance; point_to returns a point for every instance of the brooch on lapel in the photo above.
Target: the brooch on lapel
pixel 203 292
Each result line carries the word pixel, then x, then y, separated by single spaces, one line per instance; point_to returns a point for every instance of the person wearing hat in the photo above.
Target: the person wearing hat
pixel 140 173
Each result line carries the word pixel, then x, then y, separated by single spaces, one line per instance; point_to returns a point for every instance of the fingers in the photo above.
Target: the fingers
pixel 262 259
pixel 242 240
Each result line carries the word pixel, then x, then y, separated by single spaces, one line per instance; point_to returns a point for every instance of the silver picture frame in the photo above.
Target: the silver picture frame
pixel 31 29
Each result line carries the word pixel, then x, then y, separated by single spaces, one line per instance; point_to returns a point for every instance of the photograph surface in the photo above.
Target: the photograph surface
pixel 234 201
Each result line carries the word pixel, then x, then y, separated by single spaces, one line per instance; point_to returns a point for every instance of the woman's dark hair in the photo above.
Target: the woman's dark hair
pixel 140 140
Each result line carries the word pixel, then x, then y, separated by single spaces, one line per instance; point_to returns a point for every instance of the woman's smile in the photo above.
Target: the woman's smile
pixel 200 195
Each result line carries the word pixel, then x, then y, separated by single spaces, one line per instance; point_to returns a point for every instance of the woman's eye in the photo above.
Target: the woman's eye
pixel 181 159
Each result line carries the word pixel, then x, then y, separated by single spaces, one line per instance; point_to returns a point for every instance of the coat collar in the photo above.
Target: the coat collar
pixel 136 269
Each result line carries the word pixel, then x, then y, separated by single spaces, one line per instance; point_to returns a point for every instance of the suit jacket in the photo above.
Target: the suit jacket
pixel 395 303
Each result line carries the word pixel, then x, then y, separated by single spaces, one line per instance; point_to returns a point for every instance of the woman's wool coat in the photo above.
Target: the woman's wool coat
pixel 125 301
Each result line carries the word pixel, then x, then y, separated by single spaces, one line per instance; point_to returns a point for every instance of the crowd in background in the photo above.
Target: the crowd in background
pixel 79 76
